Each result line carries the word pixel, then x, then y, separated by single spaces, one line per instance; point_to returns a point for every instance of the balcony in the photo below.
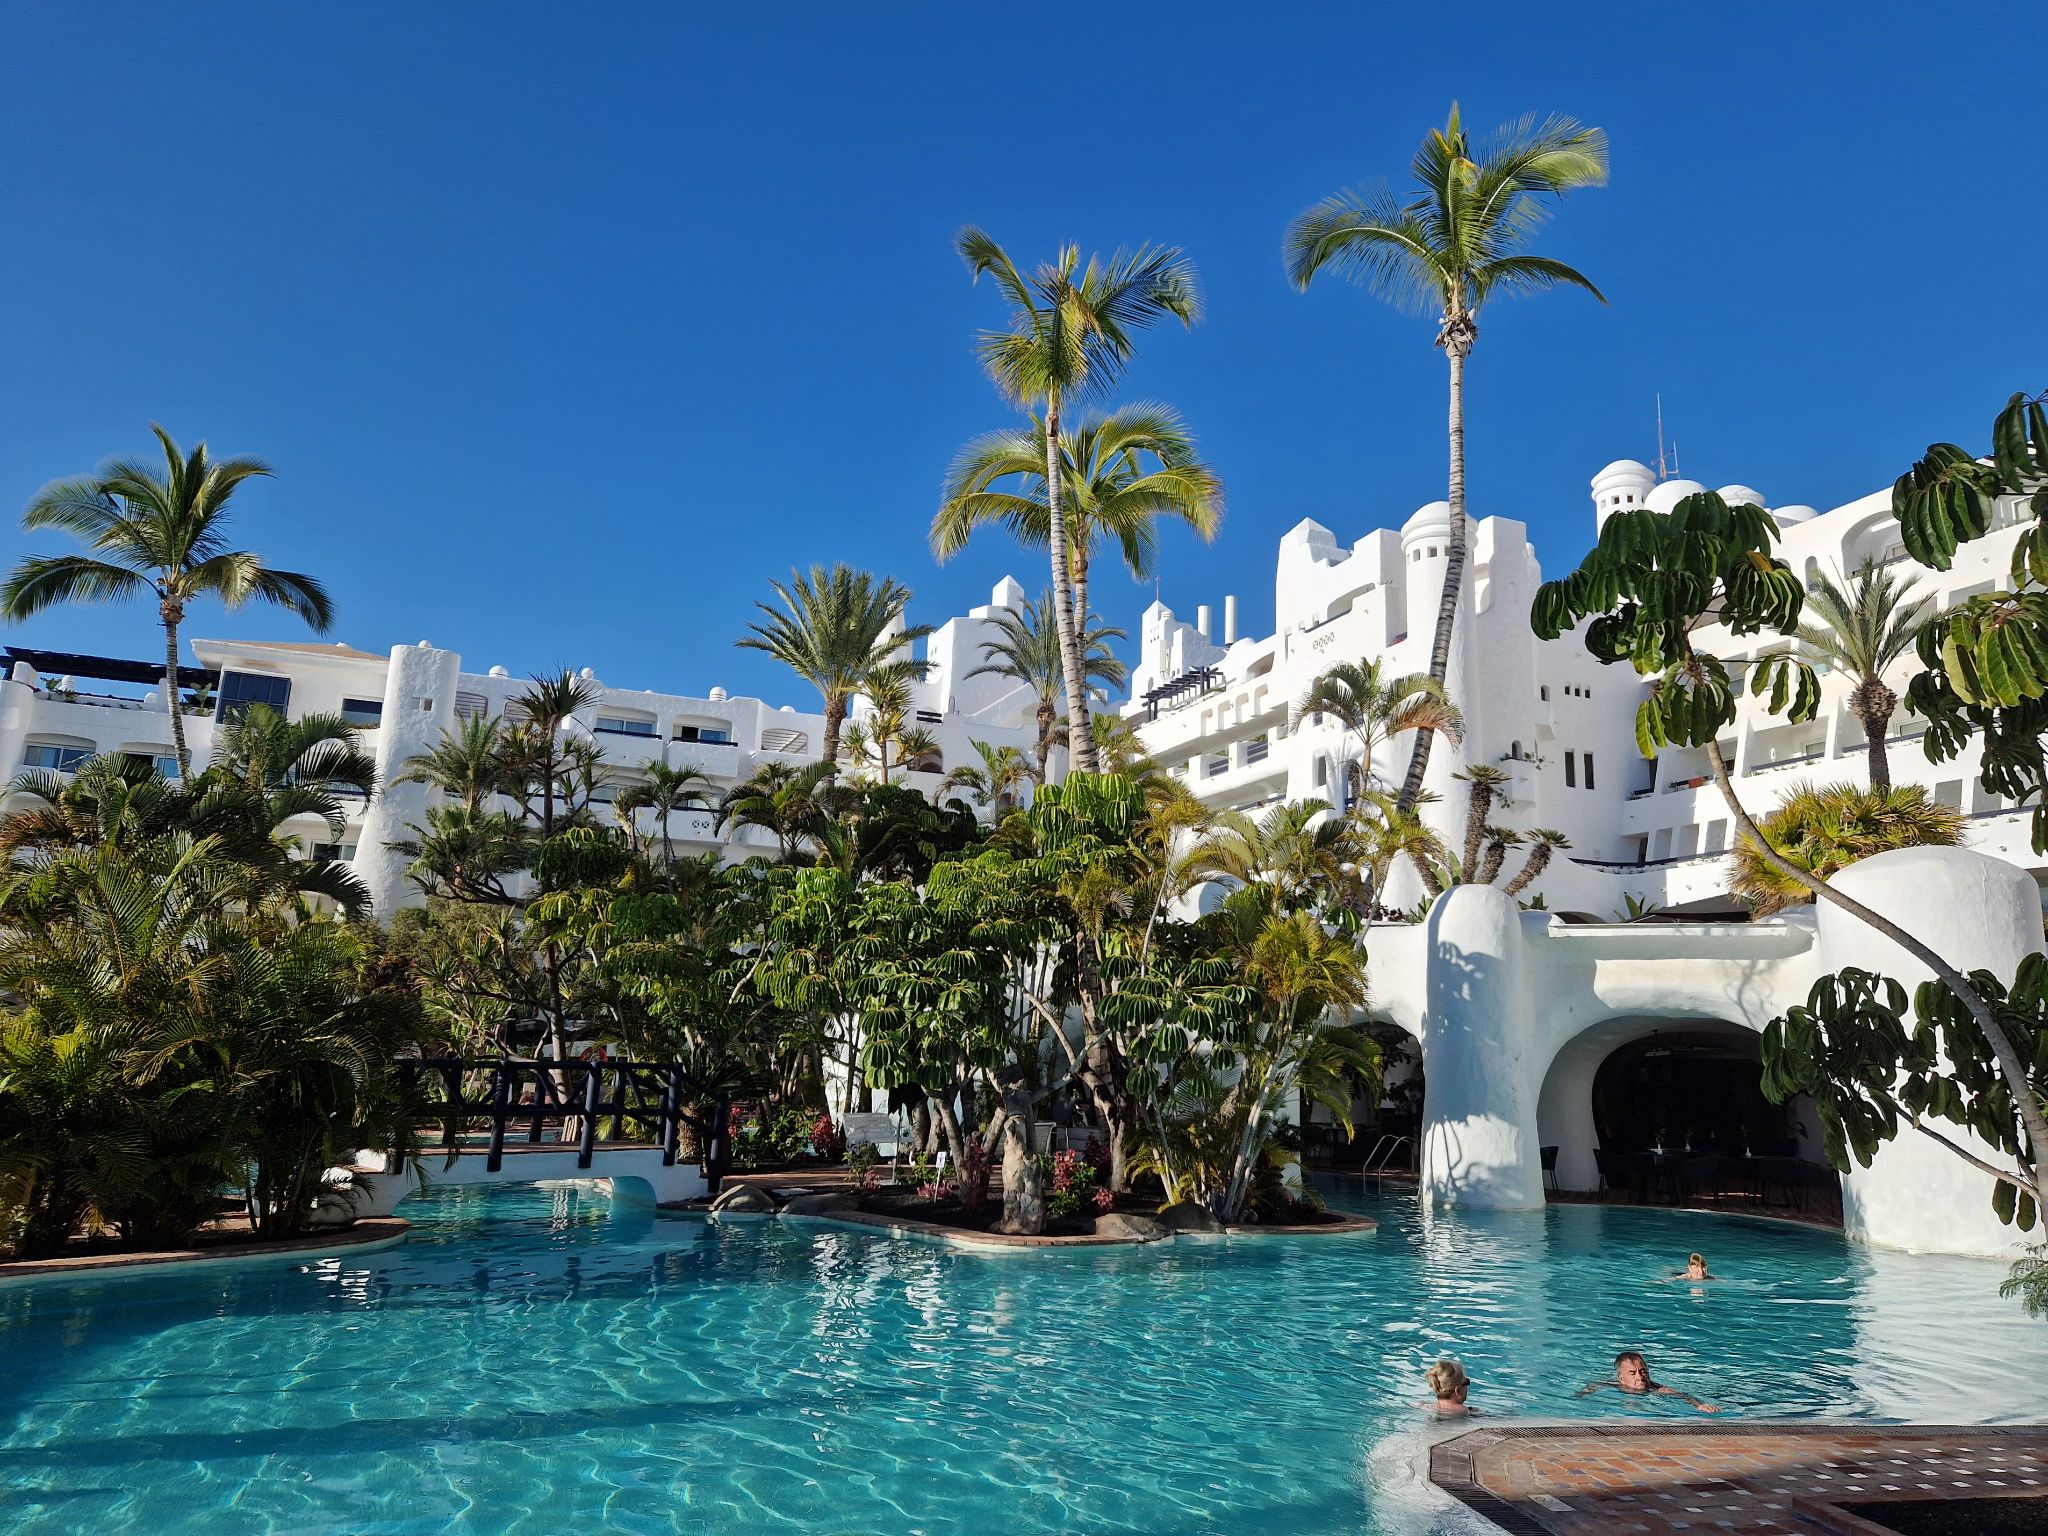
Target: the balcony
pixel 721 759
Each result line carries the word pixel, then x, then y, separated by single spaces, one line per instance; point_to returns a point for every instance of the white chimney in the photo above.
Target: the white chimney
pixel 1202 621
pixel 1230 619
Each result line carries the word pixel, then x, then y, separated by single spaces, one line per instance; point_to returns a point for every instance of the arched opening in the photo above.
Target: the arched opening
pixel 1672 1112
pixel 1387 1126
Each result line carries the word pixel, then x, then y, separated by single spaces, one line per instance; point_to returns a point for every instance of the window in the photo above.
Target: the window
pixel 1717 836
pixel 1571 770
pixel 1322 772
pixel 334 850
pixel 1255 751
pixel 1544 693
pixel 619 725
pixel 714 735
pixel 1215 763
pixel 1589 770
pixel 43 754
pixel 471 706
pixel 165 763
pixel 239 690
pixel 363 711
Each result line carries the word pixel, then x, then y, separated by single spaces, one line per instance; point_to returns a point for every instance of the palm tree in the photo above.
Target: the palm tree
pixel 1455 243
pixel 1486 782
pixel 1070 333
pixel 664 791
pixel 780 799
pixel 464 764
pixel 830 631
pixel 1547 841
pixel 1376 708
pixel 995 780
pixel 1827 828
pixel 1029 653
pixel 162 530
pixel 1119 476
pixel 1303 853
pixel 1866 623
pixel 268 770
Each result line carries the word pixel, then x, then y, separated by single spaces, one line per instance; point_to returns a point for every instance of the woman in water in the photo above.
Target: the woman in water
pixel 1695 1268
pixel 1448 1381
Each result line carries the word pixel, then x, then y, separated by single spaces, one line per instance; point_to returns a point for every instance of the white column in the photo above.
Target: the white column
pixel 419 708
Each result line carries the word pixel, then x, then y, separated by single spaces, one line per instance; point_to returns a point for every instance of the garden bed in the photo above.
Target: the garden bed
pixel 229 1241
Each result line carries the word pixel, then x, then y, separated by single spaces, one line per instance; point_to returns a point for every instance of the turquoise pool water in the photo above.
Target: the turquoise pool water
pixel 531 1362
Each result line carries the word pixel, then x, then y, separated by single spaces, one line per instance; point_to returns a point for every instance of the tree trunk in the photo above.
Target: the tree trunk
pixel 835 717
pixel 1048 717
pixel 1479 806
pixel 1873 703
pixel 1458 333
pixel 173 615
pixel 1539 856
pixel 2033 1120
pixel 956 1141
pixel 1080 732
pixel 1023 1185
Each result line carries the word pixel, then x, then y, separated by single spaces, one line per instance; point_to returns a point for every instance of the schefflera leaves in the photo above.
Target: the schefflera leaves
pixel 1653 578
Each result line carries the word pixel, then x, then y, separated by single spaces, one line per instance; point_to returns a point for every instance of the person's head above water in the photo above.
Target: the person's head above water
pixel 1695 1266
pixel 1632 1371
pixel 1447 1379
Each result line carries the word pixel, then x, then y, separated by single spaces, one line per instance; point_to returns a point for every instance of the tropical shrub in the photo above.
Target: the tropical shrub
pixel 1824 829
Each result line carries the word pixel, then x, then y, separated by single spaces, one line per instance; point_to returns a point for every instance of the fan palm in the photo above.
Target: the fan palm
pixel 831 631
pixel 161 530
pixel 1028 652
pixel 1454 243
pixel 1119 476
pixel 1866 622
pixel 1071 331
pixel 1826 828
pixel 1375 708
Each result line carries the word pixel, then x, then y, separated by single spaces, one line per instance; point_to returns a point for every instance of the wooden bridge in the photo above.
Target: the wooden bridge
pixel 508 1120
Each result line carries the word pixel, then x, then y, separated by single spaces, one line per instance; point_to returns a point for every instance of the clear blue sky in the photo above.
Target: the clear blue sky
pixel 567 327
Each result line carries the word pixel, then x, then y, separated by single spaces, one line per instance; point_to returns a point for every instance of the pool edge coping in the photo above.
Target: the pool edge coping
pixel 365 1235
pixel 1003 1242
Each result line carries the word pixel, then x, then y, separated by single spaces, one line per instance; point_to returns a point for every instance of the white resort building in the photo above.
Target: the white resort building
pixel 1552 1044
pixel 56 710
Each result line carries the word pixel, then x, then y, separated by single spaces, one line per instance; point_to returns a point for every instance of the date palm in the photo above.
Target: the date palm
pixel 664 791
pixel 1375 707
pixel 1455 242
pixel 1826 828
pixel 160 529
pixel 1070 333
pixel 1120 475
pixel 1866 621
pixel 1028 652
pixel 830 630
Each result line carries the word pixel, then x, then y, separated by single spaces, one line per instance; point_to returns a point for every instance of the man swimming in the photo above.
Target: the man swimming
pixel 1632 1375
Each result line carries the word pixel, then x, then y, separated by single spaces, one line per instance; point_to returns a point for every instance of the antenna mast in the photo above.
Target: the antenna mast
pixel 1664 472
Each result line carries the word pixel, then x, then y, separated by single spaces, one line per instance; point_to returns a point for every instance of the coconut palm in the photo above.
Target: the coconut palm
pixel 835 624
pixel 664 791
pixel 1120 475
pixel 1376 708
pixel 1454 243
pixel 1826 828
pixel 996 780
pixel 1071 331
pixel 1865 623
pixel 159 529
pixel 1028 652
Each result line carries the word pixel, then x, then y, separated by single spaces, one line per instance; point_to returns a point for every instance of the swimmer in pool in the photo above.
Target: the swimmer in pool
pixel 1448 1381
pixel 1632 1375
pixel 1695 1268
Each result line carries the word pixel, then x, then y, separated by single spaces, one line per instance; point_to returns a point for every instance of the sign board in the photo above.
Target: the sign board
pixel 872 1130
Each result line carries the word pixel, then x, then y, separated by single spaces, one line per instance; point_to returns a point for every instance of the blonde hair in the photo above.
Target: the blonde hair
pixel 1447 1378
pixel 1695 1258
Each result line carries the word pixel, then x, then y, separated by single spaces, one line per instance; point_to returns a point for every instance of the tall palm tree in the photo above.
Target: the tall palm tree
pixel 161 530
pixel 1029 653
pixel 1546 841
pixel 1375 708
pixel 1450 247
pixel 1120 475
pixel 1071 331
pixel 664 791
pixel 830 631
pixel 1486 782
pixel 1866 623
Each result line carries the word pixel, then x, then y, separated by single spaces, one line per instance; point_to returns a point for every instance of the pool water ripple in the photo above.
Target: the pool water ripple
pixel 530 1361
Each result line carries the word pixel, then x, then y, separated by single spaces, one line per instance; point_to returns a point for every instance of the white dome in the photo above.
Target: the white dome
pixel 1741 495
pixel 716 695
pixel 1669 493
pixel 1624 470
pixel 499 672
pixel 1428 522
pixel 1787 516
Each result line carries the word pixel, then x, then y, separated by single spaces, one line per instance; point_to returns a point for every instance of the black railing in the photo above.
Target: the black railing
pixel 601 1098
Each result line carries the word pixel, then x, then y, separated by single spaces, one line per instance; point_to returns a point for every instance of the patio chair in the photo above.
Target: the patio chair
pixel 1549 1155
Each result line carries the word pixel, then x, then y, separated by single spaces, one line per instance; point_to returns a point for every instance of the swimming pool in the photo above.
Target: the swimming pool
pixel 531 1362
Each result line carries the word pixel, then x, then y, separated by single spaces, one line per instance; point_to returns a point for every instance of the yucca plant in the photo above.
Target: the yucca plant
pixel 1826 828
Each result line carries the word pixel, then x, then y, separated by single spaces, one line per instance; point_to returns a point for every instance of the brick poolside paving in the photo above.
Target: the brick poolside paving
pixel 1725 1479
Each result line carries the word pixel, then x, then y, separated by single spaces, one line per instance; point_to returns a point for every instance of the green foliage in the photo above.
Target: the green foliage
pixel 1826 829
